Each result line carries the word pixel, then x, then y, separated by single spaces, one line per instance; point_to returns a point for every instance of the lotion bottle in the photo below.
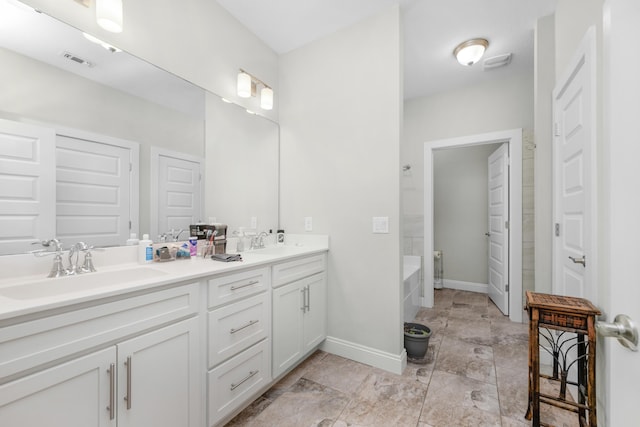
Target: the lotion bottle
pixel 132 240
pixel 145 250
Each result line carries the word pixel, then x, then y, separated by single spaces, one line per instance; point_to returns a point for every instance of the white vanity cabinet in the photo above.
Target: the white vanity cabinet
pixel 129 362
pixel 239 330
pixel 299 310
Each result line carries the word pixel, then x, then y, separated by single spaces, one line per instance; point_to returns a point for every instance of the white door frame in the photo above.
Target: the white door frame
pixel 156 152
pixel 583 59
pixel 514 138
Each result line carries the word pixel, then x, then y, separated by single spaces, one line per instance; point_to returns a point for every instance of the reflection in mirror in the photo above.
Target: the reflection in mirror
pixel 98 94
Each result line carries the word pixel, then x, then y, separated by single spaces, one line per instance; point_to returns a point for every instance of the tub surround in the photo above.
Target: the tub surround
pixel 412 276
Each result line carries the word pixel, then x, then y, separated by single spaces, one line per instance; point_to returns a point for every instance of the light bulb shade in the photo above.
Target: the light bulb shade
pixel 470 52
pixel 266 98
pixel 109 15
pixel 244 85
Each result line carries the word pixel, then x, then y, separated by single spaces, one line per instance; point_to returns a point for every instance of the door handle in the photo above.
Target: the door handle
pixel 487 234
pixel 622 328
pixel 582 260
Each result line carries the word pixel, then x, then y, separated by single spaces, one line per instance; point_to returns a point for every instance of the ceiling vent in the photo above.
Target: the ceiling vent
pixel 496 62
pixel 76 59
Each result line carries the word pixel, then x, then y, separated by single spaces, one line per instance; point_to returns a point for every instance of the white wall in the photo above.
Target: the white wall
pixel 340 140
pixel 197 40
pixel 241 153
pixel 461 211
pixel 493 106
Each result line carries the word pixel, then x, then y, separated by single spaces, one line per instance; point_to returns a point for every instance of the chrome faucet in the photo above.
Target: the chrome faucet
pixel 58 269
pixel 257 241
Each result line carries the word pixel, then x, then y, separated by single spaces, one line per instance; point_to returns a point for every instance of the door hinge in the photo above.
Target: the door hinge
pixel 129 225
pixel 556 129
pixel 557 229
pixel 506 225
pixel 130 167
pixel 506 287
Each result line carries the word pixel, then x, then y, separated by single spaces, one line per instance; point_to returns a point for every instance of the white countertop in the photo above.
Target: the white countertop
pixel 26 295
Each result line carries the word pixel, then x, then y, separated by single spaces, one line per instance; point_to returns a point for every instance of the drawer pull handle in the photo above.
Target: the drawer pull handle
pixel 251 322
pixel 245 379
pixel 127 398
pixel 253 282
pixel 112 391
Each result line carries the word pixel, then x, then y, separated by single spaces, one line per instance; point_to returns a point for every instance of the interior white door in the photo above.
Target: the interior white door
pixel 179 192
pixel 573 107
pixel 498 177
pixel 93 183
pixel 622 367
pixel 27 186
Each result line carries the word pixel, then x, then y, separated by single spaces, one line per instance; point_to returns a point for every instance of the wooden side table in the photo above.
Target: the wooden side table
pixel 568 315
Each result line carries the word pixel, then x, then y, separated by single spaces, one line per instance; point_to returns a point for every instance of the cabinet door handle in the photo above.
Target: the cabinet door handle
pixel 127 398
pixel 245 379
pixel 250 323
pixel 253 282
pixel 308 305
pixel 112 391
pixel 304 299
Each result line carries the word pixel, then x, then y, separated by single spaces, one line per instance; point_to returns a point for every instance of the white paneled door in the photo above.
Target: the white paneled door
pixel 27 186
pixel 622 366
pixel 93 181
pixel 574 120
pixel 177 200
pixel 498 174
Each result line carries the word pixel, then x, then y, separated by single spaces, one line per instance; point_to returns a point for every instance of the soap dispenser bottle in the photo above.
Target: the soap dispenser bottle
pixel 145 250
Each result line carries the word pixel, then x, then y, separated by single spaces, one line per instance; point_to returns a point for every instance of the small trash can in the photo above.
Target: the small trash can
pixel 416 340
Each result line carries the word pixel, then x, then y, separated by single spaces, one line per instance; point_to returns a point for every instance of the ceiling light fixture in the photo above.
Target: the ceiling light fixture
pixel 109 15
pixel 469 52
pixel 247 87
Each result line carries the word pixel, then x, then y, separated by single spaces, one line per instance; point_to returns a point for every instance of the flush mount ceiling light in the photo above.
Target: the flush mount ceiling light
pixel 246 88
pixel 109 15
pixel 470 52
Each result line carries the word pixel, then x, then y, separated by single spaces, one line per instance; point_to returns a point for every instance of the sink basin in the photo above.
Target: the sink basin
pixel 82 282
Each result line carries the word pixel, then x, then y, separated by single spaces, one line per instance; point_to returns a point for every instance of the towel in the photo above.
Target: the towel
pixel 226 257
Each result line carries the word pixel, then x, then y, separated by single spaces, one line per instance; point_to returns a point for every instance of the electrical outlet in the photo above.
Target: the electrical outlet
pixel 254 222
pixel 308 223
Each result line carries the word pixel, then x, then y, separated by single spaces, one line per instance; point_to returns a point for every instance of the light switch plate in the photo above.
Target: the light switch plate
pixel 381 224
pixel 308 223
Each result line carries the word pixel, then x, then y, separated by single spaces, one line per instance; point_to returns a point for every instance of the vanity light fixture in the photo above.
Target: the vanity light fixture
pixel 109 15
pixel 469 52
pixel 247 87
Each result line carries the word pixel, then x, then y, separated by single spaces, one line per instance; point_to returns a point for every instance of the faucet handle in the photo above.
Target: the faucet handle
pixel 57 244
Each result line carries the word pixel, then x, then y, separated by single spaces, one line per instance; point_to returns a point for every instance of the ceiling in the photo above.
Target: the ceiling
pixel 432 29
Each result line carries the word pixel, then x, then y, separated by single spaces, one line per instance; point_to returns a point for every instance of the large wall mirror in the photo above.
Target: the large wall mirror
pixel 53 76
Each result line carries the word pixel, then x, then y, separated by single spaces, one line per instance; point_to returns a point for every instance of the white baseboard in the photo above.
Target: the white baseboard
pixel 466 286
pixel 394 363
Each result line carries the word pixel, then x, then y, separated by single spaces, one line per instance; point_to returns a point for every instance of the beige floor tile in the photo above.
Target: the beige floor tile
pixel 510 422
pixel 304 404
pixel 453 400
pixel 466 359
pixel 384 400
pixel 339 373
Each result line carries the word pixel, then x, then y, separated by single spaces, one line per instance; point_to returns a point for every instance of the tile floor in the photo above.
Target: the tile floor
pixel 475 375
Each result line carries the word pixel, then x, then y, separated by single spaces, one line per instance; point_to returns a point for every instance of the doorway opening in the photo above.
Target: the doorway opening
pixel 513 138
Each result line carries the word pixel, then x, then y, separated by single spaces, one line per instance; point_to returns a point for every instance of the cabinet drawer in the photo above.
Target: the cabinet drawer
pixel 234 382
pixel 287 272
pixel 232 287
pixel 30 344
pixel 238 326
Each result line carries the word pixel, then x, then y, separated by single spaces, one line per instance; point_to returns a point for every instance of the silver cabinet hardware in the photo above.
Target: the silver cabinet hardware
pixel 245 379
pixel 112 391
pixel 308 303
pixel 622 328
pixel 127 398
pixel 304 300
pixel 253 282
pixel 250 323
pixel 582 260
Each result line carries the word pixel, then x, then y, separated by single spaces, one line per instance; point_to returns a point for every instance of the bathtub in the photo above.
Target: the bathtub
pixel 412 274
